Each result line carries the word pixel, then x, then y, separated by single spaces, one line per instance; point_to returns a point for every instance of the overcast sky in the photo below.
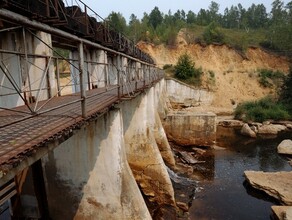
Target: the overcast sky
pixel 138 7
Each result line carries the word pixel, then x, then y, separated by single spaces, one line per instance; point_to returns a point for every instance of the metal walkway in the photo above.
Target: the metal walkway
pixel 21 134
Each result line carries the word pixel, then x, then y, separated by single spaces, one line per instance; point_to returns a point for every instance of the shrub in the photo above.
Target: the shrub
pixel 184 68
pixel 269 78
pixel 212 34
pixel 286 91
pixel 167 66
pixel 261 110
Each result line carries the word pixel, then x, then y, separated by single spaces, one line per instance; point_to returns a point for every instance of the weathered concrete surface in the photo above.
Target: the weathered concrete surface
pixel 143 154
pixel 88 176
pixel 19 68
pixel 190 128
pixel 282 212
pixel 277 185
pixel 179 92
pixel 285 147
pixel 162 142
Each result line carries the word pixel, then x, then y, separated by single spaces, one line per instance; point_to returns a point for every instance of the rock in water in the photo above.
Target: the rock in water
pixel 271 129
pixel 289 214
pixel 246 131
pixel 285 147
pixel 188 158
pixel 282 212
pixel 183 206
pixel 277 185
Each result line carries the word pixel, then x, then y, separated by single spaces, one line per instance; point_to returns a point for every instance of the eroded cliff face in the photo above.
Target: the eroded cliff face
pixel 235 73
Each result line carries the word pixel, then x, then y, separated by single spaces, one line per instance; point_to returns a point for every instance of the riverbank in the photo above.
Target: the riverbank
pixel 218 189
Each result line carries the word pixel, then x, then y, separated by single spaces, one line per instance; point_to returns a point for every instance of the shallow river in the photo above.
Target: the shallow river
pixel 223 194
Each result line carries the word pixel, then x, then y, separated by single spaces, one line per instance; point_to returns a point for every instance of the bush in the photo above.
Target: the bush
pixel 185 68
pixel 269 78
pixel 167 66
pixel 261 110
pixel 212 34
pixel 286 91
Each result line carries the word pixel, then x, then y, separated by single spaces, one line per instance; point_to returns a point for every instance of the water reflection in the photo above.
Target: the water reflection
pixel 225 197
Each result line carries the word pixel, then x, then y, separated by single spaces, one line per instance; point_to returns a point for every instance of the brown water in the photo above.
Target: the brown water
pixel 225 195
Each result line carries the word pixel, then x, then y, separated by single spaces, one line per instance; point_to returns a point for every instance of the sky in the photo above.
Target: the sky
pixel 138 7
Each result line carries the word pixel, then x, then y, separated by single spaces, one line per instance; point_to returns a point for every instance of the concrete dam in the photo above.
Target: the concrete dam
pixel 81 114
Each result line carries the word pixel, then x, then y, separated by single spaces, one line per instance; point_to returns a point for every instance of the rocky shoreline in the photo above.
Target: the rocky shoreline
pixel 275 184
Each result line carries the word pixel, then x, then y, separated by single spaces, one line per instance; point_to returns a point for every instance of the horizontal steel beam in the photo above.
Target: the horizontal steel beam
pixel 22 20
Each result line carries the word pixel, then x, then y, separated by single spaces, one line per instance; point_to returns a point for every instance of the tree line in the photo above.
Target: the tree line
pixel 157 27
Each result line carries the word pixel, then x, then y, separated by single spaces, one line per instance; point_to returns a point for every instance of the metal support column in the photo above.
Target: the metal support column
pixel 58 77
pixel 81 77
pixel 106 75
pixel 119 75
pixel 40 189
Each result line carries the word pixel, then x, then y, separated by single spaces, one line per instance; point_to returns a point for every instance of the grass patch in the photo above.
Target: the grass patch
pixel 264 109
pixel 237 38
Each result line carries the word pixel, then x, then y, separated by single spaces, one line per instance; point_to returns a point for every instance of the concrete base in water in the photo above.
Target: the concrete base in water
pixel 191 128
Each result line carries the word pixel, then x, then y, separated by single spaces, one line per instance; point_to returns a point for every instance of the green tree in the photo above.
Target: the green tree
pixel 191 17
pixel 213 11
pixel 134 28
pixel 203 18
pixel 155 17
pixel 185 68
pixel 117 22
pixel 277 12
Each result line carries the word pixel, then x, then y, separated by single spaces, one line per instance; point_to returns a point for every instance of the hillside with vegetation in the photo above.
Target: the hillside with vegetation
pixel 243 55
pixel 237 26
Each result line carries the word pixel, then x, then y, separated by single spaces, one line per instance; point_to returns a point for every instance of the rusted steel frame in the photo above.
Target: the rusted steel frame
pixel 10 29
pixel 19 19
pixel 81 79
pixel 26 59
pixel 15 93
pixel 12 110
pixel 66 59
pixel 41 84
pixel 14 122
pixel 60 106
pixel 22 54
pixel 16 89
pixel 107 90
pixel 58 77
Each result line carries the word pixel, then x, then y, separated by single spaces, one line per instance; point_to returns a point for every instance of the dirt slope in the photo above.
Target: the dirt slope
pixel 235 73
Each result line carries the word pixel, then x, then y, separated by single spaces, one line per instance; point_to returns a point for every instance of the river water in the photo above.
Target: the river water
pixel 224 194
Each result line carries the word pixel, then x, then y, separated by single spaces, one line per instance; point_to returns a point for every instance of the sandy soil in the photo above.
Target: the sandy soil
pixel 235 73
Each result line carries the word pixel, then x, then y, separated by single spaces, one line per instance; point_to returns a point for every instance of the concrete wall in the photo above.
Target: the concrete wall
pixel 89 177
pixel 190 128
pixel 18 68
pixel 182 93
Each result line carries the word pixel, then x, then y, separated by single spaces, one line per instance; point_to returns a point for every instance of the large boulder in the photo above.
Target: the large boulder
pixel 247 131
pixel 230 123
pixel 285 147
pixel 277 185
pixel 271 129
pixel 282 212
